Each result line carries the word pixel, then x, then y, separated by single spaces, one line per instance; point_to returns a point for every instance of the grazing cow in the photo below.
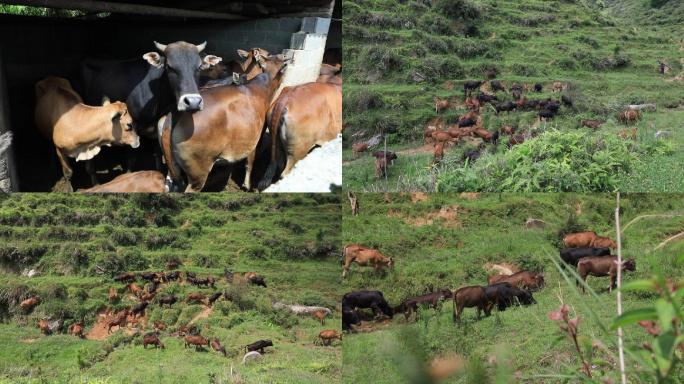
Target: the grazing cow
pixel 113 295
pixel 255 279
pixel 357 148
pixel 558 86
pixel 628 133
pixel 538 87
pixel 468 297
pixel 192 142
pixel 603 266
pixel 628 116
pixel 486 135
pixel 44 327
pixel 151 87
pixel 367 299
pixel 159 325
pixel 196 340
pixel 349 317
pixel 485 98
pixel 380 167
pixel 320 315
pixel 523 279
pixel 170 300
pixel 504 295
pixel 364 257
pixel 173 276
pixel 216 346
pixel 507 130
pixel 595 124
pixel 133 182
pixel 152 338
pixel 441 104
pixel 302 117
pixel 328 336
pixel 146 296
pixel 439 151
pixel 587 239
pixel 497 86
pixel 505 106
pixel 120 320
pixel 139 310
pixel 134 289
pixel 546 114
pixel 215 296
pixel 468 87
pixel 28 304
pixel 567 100
pixel 78 130
pixel 188 330
pixel 147 276
pixel 465 123
pixel 431 300
pixel 258 345
pixel 572 256
pixel 207 282
pixel 391 156
pixel 196 297
pixel 76 329
pixel 125 277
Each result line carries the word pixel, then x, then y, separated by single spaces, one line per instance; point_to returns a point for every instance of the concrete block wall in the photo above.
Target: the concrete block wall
pixel 306 50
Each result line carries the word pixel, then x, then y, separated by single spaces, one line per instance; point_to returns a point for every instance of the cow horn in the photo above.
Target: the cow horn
pixel 161 47
pixel 201 47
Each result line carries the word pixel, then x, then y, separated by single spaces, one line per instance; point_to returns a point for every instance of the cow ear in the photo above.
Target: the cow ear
pixel 210 61
pixel 105 101
pixel 242 53
pixel 155 59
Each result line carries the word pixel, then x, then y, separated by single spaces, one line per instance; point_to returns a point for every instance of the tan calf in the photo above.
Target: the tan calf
pixel 329 335
pixel 135 182
pixel 364 257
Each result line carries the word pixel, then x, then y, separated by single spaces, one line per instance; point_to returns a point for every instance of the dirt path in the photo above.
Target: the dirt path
pixel 202 315
pixel 99 330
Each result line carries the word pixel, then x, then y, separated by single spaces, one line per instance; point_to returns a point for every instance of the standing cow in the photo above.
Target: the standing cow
pixel 364 257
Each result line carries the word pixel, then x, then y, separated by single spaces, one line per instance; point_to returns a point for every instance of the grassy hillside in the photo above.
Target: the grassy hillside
pixel 445 240
pixel 78 243
pixel 398 57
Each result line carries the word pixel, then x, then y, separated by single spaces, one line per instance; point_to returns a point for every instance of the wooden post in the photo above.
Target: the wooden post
pixel 621 347
pixel 354 201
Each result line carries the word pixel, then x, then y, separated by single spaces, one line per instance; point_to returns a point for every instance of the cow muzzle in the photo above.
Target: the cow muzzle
pixel 190 102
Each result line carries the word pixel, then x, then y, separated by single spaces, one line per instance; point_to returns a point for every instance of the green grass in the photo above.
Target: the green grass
pixel 490 229
pixel 289 239
pixel 387 43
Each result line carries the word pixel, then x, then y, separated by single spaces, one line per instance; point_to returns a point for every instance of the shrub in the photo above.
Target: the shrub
pixel 71 259
pixel 435 24
pixel 458 9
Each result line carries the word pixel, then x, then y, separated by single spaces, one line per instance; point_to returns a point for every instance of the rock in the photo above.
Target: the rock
pixel 534 223
pixel 250 356
pixel 30 273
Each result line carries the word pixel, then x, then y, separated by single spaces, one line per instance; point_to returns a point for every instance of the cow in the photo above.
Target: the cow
pixel 159 325
pixel 523 279
pixel 120 320
pixel 380 167
pixel 558 86
pixel 255 279
pixel 486 135
pixel 504 295
pixel 78 130
pixel 170 300
pixel 76 329
pixel 134 289
pixel 507 129
pixel 207 282
pixel 594 124
pixel 468 87
pixel 133 182
pixel 173 276
pixel 497 86
pixel 196 340
pixel 439 151
pixel 320 315
pixel 485 98
pixel 505 106
pixel 431 300
pixel 152 338
pixel 567 100
pixel 628 133
pixel 147 296
pixel 572 256
pixel 349 317
pixel 538 87
pixel 545 114
pixel 113 295
pixel 587 239
pixel 364 257
pixel 468 297
pixel 515 140
pixel 441 104
pixel 603 266
pixel 215 296
pixel 328 336
pixel 147 276
pixel 192 142
pixel 471 156
pixel 330 74
pixel 367 299
pixel 389 155
pixel 465 123
pixel 258 345
pixel 628 116
pixel 195 297
pixel 302 117
pixel 139 309
pixel 28 304
pixel 216 346
pixel 472 104
pixel 44 327
pixel 125 277
pixel 357 148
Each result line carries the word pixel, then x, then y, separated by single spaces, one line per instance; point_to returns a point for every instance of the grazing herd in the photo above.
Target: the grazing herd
pixel 588 252
pixel 192 111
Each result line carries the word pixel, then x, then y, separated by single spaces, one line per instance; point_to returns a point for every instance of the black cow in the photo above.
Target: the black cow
pixel 567 100
pixel 571 256
pixel 126 277
pixel 538 88
pixel 213 298
pixel 468 86
pixel 172 276
pixel 140 309
pixel 485 98
pixel 367 299
pixel 546 114
pixel 431 300
pixel 147 276
pixel 504 295
pixel 471 156
pixel 349 318
pixel 170 300
pixel 257 280
pixel 497 85
pixel 466 123
pixel 259 345
pixel 506 106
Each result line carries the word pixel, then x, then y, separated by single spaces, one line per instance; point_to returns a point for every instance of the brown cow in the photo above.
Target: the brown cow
pixel 626 133
pixel 357 148
pixel 134 182
pixel 113 294
pixel 330 74
pixel 380 167
pixel 159 325
pixel 229 127
pixel 441 104
pixel 515 140
pixel 628 116
pixel 120 320
pixel 433 125
pixel 587 239
pixel 441 136
pixel 364 257
pixel 44 327
pixel 439 152
pixel 486 135
pixel 468 297
pixel 78 130
pixel 328 336
pixel 301 118
pixel 603 266
pixel 134 289
pixel 216 346
pixel 196 297
pixel 595 124
pixel 472 104
pixel 507 130
pixel 76 329
pixel 196 340
pixel 29 303
pixel 320 315
pixel 524 279
pixel 152 338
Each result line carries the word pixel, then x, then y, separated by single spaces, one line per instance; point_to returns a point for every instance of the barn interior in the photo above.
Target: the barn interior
pixel 34 47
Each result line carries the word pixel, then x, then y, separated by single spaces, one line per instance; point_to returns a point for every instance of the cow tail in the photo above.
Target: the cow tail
pixel 454 314
pixel 275 121
pixel 166 143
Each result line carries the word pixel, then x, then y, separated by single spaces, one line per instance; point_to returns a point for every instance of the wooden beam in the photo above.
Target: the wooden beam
pixel 104 6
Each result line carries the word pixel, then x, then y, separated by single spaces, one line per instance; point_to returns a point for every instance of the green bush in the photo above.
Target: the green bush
pixel 458 9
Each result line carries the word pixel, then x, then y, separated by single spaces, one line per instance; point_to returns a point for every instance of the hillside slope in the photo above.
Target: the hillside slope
pixel 398 57
pixel 446 241
pixel 77 243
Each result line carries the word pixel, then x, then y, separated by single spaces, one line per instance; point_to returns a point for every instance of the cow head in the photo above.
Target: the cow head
pixel 250 65
pixel 182 63
pixel 122 124
pixel 390 262
pixel 526 298
pixel 274 65
pixel 629 265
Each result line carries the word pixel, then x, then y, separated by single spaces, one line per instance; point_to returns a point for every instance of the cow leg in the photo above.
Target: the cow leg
pixel 66 169
pixel 197 171
pixel 248 170
pixel 90 168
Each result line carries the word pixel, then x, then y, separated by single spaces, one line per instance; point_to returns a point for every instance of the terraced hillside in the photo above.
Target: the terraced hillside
pixel 399 56
pixel 446 241
pixel 78 243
